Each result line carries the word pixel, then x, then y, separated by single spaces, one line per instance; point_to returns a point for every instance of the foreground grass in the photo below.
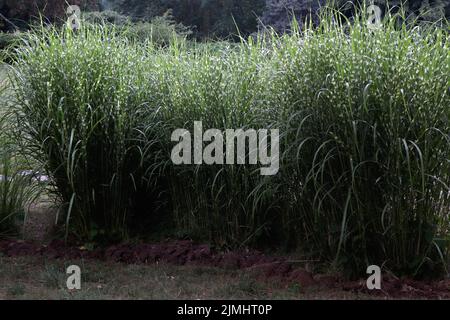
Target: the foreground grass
pixel 39 278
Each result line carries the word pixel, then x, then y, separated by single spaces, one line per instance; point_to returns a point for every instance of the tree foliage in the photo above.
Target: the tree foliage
pixel 421 10
pixel 19 13
pixel 209 18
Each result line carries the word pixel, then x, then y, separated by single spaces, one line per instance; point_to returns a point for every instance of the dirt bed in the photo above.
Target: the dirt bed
pixel 264 267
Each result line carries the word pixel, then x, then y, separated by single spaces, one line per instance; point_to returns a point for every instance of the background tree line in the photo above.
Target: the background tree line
pixel 218 18
pixel 206 18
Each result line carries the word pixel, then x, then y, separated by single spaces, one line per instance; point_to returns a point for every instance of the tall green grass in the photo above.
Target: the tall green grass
pixel 223 90
pixel 366 124
pixel 16 190
pixel 78 111
pixel 364 117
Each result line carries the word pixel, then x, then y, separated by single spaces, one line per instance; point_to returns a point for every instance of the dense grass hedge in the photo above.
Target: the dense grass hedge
pixel 16 190
pixel 364 122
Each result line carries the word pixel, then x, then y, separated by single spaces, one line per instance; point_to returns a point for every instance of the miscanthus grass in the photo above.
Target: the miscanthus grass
pixel 366 124
pixel 17 190
pixel 364 117
pixel 78 102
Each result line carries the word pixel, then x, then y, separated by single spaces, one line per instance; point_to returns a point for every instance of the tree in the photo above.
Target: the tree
pixel 210 18
pixel 22 12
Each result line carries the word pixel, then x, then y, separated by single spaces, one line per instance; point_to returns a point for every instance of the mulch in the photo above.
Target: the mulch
pixel 187 252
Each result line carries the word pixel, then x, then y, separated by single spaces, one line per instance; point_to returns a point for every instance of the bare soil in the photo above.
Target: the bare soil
pixel 38 277
pixel 287 277
pixel 263 268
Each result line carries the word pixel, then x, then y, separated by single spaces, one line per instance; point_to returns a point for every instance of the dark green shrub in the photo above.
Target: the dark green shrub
pixel 160 31
pixel 107 16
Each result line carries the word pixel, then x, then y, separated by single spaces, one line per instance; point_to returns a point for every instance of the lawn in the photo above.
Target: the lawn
pixel 27 275
pixel 41 278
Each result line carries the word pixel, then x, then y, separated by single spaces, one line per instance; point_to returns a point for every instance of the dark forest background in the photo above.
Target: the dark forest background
pixel 205 18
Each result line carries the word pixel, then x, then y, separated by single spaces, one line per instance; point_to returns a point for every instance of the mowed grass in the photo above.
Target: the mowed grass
pixel 39 278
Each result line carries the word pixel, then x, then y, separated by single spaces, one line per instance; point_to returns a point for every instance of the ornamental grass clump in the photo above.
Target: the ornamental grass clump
pixel 363 115
pixel 366 158
pixel 78 102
